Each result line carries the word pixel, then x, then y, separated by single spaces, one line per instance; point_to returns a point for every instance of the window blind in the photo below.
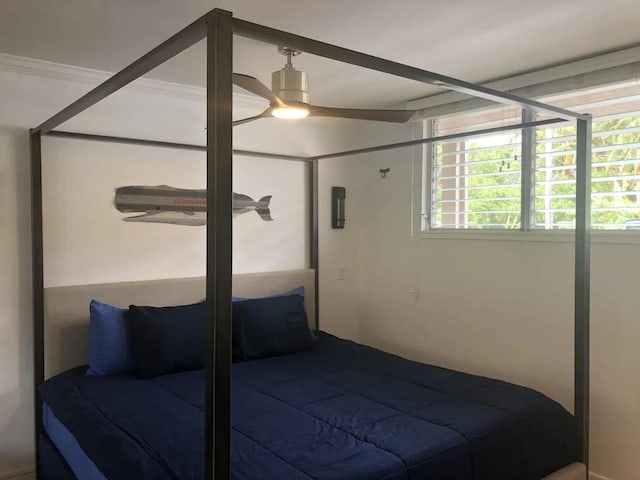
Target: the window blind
pixel 615 200
pixel 476 182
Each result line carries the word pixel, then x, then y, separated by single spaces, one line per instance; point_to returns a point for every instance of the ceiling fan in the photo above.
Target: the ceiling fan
pixel 289 98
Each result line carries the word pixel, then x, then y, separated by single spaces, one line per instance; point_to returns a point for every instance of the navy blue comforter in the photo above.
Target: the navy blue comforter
pixel 339 411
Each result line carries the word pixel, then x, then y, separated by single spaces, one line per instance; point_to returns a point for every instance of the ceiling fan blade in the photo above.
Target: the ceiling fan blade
pixel 398 116
pixel 266 113
pixel 253 85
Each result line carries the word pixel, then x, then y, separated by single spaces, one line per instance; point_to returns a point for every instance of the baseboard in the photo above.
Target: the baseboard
pixel 29 475
pixel 595 476
pixel 20 475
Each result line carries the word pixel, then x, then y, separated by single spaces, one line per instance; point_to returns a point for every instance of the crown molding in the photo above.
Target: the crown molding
pixel 91 77
pixel 601 62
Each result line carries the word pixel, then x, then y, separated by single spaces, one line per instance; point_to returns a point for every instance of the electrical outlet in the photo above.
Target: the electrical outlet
pixel 414 293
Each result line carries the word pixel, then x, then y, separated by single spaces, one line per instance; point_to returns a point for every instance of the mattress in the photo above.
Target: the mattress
pixel 51 466
pixel 80 464
pixel 339 411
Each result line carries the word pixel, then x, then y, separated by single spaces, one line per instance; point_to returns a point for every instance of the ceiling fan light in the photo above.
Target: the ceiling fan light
pixel 290 113
pixel 290 85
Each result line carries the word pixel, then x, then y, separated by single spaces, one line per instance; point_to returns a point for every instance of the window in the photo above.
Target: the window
pixel 476 182
pixel 615 184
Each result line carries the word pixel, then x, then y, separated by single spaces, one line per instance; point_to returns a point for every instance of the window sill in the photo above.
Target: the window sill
pixel 597 237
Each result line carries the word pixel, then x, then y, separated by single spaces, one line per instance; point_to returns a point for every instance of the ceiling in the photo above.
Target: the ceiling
pixel 476 40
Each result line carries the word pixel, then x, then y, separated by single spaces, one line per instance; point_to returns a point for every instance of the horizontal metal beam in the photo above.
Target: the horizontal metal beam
pixel 278 156
pixel 453 136
pixel 322 49
pixel 158 143
pixel 440 107
pixel 125 140
pixel 182 40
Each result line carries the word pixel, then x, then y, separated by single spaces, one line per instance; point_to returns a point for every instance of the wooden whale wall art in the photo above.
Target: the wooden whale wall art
pixel 179 206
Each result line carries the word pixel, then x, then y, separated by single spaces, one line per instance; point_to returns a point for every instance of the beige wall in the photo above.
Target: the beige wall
pixel 15 307
pixel 490 307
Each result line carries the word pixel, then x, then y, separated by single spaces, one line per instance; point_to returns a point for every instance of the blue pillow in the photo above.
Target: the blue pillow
pixel 296 291
pixel 167 339
pixel 236 354
pixel 263 327
pixel 109 342
pixel 110 349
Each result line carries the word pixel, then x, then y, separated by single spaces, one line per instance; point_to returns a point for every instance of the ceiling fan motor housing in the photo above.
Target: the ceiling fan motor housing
pixel 290 85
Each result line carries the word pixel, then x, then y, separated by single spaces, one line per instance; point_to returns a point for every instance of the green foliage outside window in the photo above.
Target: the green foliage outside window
pixel 490 194
pixel 494 185
pixel 615 174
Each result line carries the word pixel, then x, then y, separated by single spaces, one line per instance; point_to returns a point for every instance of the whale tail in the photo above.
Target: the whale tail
pixel 262 208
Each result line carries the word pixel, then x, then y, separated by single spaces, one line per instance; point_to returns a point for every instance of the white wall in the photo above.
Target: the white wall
pixel 496 308
pixel 85 239
pixel 15 306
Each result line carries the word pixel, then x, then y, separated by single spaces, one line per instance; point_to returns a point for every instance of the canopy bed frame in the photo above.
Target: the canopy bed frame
pixel 218 27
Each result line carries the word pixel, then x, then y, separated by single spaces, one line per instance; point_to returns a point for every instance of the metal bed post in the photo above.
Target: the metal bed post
pixel 217 426
pixel 528 160
pixel 314 247
pixel 37 280
pixel 582 285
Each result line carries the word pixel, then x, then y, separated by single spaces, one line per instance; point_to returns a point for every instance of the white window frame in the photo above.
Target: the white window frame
pixel 610 68
pixel 423 190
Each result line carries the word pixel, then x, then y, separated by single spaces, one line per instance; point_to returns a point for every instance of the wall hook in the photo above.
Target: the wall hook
pixel 384 171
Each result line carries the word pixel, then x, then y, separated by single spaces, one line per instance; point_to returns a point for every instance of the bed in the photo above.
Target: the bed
pixel 219 27
pixel 337 411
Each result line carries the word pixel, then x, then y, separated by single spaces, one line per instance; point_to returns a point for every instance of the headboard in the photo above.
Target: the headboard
pixel 66 309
